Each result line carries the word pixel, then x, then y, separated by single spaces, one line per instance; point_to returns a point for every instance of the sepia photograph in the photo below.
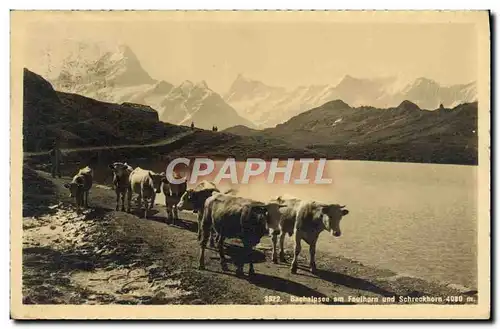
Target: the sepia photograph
pixel 250 164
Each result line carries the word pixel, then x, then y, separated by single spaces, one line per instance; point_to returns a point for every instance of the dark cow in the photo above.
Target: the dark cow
pixel 235 217
pixel 146 184
pixel 306 219
pixel 121 184
pixel 80 186
pixel 194 200
pixel 173 193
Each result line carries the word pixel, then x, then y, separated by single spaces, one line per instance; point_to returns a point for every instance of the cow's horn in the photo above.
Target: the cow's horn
pixel 342 206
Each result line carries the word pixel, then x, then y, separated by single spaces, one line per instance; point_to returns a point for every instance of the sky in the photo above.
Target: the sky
pixel 286 54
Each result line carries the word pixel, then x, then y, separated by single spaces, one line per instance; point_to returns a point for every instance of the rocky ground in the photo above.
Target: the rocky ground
pixel 101 256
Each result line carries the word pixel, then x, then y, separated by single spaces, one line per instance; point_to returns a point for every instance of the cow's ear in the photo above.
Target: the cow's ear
pixel 345 212
pixel 67 185
pixel 111 166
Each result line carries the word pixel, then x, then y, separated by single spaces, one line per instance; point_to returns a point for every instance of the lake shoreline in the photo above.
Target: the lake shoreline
pixel 175 246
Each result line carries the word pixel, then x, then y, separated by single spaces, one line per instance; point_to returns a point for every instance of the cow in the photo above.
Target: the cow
pixel 306 219
pixel 235 217
pixel 194 199
pixel 121 184
pixel 146 184
pixel 173 193
pixel 80 186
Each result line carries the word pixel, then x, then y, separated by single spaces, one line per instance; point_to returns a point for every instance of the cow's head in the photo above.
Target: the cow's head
pixel 268 213
pixel 157 180
pixel 332 215
pixel 120 169
pixel 186 201
pixel 194 200
pixel 75 189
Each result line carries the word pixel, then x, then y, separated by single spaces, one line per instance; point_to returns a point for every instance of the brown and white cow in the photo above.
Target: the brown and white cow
pixel 121 184
pixel 235 217
pixel 79 187
pixel 173 193
pixel 306 220
pixel 146 184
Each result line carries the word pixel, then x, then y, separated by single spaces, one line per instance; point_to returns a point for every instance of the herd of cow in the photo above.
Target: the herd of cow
pixel 221 215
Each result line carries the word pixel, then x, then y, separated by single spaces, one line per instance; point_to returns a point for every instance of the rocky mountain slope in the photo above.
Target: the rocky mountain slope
pixel 75 120
pixel 268 106
pixel 402 133
pixel 116 75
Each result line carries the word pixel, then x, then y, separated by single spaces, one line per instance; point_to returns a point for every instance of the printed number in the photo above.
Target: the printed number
pixel 272 299
pixel 454 299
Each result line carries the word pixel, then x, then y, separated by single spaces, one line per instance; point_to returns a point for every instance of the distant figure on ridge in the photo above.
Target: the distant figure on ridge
pixel 55 159
pixel 192 125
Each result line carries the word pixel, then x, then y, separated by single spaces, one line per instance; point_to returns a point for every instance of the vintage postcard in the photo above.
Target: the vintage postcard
pixel 250 165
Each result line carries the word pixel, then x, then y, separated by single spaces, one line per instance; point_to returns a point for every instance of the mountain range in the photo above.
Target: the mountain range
pixel 334 130
pixel 268 106
pixel 401 133
pixel 116 75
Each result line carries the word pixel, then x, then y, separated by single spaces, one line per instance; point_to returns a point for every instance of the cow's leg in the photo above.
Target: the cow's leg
pixel 203 246
pixel 298 238
pixel 78 202
pixel 87 199
pixel 123 200
pixel 129 199
pixel 274 239
pixel 200 219
pixel 146 206
pixel 282 246
pixel 153 198
pixel 247 247
pixel 175 212
pixel 205 232
pixel 212 237
pixel 139 201
pixel 171 213
pixel 312 255
pixel 167 211
pixel 53 169
pixel 117 199
pixel 223 263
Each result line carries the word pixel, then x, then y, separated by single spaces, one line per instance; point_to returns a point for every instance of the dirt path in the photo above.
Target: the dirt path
pixel 162 142
pixel 104 256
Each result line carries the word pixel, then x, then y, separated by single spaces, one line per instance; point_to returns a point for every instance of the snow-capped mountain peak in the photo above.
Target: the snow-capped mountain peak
pixel 269 106
pixel 114 73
